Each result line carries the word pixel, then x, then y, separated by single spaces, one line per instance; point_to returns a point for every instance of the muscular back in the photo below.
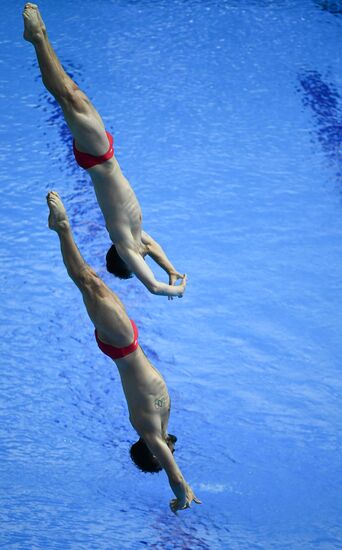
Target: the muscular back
pixel 117 200
pixel 146 393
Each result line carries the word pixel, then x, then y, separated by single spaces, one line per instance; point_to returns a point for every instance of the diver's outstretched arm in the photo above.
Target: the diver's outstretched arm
pixel 139 267
pixel 155 251
pixel 182 491
pixel 82 118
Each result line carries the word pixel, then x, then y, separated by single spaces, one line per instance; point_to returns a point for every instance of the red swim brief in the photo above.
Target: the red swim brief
pixel 86 161
pixel 119 353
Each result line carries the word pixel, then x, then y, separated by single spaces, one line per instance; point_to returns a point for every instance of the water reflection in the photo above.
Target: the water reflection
pixel 176 534
pixel 332 6
pixel 324 101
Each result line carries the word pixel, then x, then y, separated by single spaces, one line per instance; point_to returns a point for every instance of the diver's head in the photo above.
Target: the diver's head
pixel 144 459
pixel 116 265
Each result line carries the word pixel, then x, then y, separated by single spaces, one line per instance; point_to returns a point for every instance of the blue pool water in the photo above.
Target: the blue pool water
pixel 227 117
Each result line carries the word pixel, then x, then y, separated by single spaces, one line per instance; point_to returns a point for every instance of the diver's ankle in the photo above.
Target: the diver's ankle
pixel 38 37
pixel 63 226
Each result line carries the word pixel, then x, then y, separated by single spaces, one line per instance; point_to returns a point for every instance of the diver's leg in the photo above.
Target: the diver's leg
pixel 104 308
pixel 82 118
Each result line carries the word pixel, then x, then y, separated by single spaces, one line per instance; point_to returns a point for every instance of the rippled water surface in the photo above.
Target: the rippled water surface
pixel 227 118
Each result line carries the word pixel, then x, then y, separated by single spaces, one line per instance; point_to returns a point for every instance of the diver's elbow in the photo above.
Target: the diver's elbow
pixel 154 289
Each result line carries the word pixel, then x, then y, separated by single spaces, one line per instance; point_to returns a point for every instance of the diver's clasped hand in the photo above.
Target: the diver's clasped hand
pixel 174 276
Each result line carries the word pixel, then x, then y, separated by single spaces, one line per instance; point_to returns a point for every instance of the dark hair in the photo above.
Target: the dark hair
pixel 116 265
pixel 172 438
pixel 143 458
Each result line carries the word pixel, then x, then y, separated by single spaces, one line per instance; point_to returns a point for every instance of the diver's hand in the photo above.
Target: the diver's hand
pixel 181 287
pixel 184 502
pixel 174 276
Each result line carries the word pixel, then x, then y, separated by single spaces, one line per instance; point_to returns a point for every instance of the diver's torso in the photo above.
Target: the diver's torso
pixel 146 392
pixel 118 202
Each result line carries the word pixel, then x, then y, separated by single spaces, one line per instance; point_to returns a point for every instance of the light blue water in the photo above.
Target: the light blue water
pixel 227 121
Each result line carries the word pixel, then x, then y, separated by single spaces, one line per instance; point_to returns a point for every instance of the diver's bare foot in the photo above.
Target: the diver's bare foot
pixel 34 27
pixel 58 219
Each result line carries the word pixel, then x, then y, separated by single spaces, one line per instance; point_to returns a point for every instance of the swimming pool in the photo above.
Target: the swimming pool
pixel 227 122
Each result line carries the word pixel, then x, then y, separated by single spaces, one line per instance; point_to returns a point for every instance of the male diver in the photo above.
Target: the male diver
pixel 93 150
pixel 117 336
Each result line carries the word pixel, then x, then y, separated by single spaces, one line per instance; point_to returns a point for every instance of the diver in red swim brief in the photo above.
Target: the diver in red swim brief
pixel 117 200
pixel 86 161
pixel 145 389
pixel 119 353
